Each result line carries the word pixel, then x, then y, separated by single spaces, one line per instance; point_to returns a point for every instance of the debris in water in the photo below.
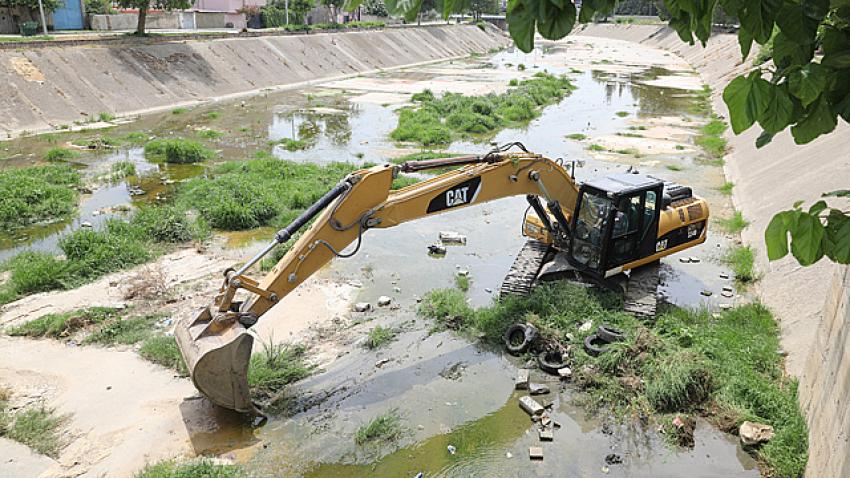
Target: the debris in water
pixel 419 475
pixel 451 237
pixel 488 290
pixel 463 272
pixel 86 224
pixel 530 406
pixel 605 470
pixel 728 295
pixel 382 362
pixel 695 260
pixel 685 260
pixel 508 455
pixel 752 433
pixel 362 307
pixel 436 250
pixel 613 459
pixel 546 435
pixel 521 379
pixel 355 283
pixel 727 288
pixel 452 449
pixel 535 452
pixel 724 276
pixel 384 301
pixel 706 293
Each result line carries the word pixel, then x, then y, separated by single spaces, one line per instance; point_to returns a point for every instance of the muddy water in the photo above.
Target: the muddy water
pixel 448 390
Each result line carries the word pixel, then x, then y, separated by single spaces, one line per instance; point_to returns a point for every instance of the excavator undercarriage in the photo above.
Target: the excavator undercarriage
pixel 599 233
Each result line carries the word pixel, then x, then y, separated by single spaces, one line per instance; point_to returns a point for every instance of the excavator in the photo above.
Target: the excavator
pixel 605 231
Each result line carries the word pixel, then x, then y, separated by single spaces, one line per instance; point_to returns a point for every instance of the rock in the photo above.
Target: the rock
pixel 546 435
pixel 685 260
pixel 724 276
pixel 508 454
pixel 535 452
pixel 362 307
pixel 488 290
pixel 613 459
pixel 752 433
pixel 695 260
pixel 463 272
pixel 382 362
pixel 537 389
pixel 706 293
pixel 728 295
pixel 436 250
pixel 86 224
pixel 585 327
pixel 355 283
pixel 530 406
pixel 521 379
pixel 384 301
pixel 396 289
pixel 727 288
pixel 565 373
pixel 451 237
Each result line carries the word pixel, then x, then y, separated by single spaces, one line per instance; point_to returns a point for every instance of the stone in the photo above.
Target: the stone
pixel 530 406
pixel 585 327
pixel 613 459
pixel 521 379
pixel 565 373
pixel 727 294
pixel 685 260
pixel 86 224
pixel 724 276
pixel 535 452
pixel 546 435
pixel 537 389
pixel 384 301
pixel 727 288
pixel 725 306
pixel 695 260
pixel 437 250
pixel 752 433
pixel 463 272
pixel 451 237
pixel 706 293
pixel 362 307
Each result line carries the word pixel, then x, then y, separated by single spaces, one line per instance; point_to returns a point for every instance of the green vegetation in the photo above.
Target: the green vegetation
pixel 179 111
pixel 724 367
pixel 135 137
pixel 212 115
pixel 5 39
pixel 122 169
pixel 462 282
pixel 163 350
pixel 37 194
pixel 177 151
pixel 435 121
pixel 105 117
pixel 520 67
pixel 90 253
pixel 379 336
pixel 595 147
pixel 742 261
pixel 276 366
pixel 63 325
pixel 711 138
pixel 97 142
pixel 726 188
pixel 622 114
pixel 290 144
pixel 200 467
pixel 124 331
pixel 36 427
pixel 259 192
pixel 60 154
pixel 385 427
pixel 675 167
pixel 734 224
pixel 210 134
pixel 629 152
pixel 577 136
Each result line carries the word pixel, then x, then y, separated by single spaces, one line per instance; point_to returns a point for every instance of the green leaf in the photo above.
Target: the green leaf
pixel 779 111
pixel 796 24
pixel 760 95
pixel 736 95
pixel 807 83
pixel 555 23
pixel 776 234
pixel 819 120
pixel 521 19
pixel 745 39
pixel 839 193
pixel 758 17
pixel 807 239
pixel 837 60
pixel 764 139
pixel 797 204
pixel 817 207
pixel 408 8
pixel 787 52
pixel 351 5
pixel 834 40
pixel 843 108
pixel 836 242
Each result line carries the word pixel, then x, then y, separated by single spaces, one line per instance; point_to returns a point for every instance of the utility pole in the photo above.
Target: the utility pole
pixel 43 21
pixel 286 6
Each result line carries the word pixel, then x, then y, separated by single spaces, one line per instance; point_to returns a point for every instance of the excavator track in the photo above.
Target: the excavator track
pixel 641 293
pixel 521 277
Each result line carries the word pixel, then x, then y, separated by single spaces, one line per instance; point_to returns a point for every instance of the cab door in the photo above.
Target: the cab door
pixel 635 227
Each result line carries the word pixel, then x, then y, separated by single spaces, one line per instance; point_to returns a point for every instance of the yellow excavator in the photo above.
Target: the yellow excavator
pixel 606 231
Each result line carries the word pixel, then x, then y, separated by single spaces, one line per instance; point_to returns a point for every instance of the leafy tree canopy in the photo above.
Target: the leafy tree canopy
pixel 49 5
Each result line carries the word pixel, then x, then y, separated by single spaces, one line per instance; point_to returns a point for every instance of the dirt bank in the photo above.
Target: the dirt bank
pixel 51 87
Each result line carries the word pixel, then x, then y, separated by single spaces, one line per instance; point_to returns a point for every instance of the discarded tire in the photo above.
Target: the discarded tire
pixel 519 337
pixel 550 361
pixel 609 334
pixel 594 345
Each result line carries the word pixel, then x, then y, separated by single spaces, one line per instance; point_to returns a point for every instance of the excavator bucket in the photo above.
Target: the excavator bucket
pixel 217 354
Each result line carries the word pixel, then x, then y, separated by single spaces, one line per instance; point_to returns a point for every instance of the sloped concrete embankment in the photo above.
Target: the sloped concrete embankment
pixel 52 86
pixel 812 303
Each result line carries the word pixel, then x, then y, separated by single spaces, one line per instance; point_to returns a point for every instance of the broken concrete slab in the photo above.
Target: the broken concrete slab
pixel 530 406
pixel 538 389
pixel 753 433
pixel 535 452
pixel 521 379
pixel 437 250
pixel 546 434
pixel 452 237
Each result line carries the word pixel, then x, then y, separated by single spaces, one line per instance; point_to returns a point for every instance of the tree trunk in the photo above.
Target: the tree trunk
pixel 143 13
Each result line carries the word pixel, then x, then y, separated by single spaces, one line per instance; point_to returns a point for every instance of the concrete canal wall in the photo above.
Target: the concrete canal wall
pixel 44 88
pixel 812 303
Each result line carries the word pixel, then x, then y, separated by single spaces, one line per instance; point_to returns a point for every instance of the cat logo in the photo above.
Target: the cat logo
pixel 661 245
pixel 458 195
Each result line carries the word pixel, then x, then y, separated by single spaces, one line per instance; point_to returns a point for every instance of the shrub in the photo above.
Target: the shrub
pixel 385 427
pixel 36 272
pixel 200 467
pixel 36 194
pixel 93 253
pixel 379 336
pixel 60 154
pixel 164 224
pixel 122 169
pixel 742 261
pixel 681 381
pixel 276 366
pixel 177 151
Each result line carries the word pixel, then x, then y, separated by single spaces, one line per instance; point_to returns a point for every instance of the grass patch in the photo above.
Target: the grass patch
pixel 177 151
pixel 595 147
pixel 622 114
pixel 163 350
pixel 577 136
pixel 383 428
pixel 37 428
pixel 711 138
pixel 135 137
pixel 628 152
pixel 741 259
pixel 379 337
pixel 124 331
pixel 725 368
pixel 105 116
pixel 276 366
pixel 37 194
pixel 734 224
pixel 726 188
pixel 462 282
pixel 212 115
pixel 60 154
pixel 435 121
pixel 210 134
pixel 23 39
pixel 179 111
pixel 291 144
pixel 675 167
pixel 260 192
pixel 200 467
pixel 122 169
pixel 63 325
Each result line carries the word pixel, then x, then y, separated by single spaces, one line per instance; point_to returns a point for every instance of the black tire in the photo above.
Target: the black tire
pixel 610 334
pixel 552 360
pixel 594 345
pixel 519 337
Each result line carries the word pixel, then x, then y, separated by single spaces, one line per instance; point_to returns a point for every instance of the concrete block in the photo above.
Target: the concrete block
pixel 530 406
pixel 521 379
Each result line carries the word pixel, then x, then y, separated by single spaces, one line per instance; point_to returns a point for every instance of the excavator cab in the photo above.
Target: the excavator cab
pixel 616 223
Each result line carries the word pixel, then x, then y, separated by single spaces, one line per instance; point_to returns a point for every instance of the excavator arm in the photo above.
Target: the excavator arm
pixel 215 342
